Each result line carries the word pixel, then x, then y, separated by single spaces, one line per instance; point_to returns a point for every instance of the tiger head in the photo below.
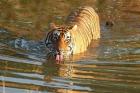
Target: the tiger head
pixel 59 40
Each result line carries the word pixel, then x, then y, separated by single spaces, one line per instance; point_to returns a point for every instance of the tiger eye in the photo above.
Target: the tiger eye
pixel 68 37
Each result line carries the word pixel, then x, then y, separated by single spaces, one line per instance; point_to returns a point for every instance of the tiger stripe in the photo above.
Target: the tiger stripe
pixel 88 27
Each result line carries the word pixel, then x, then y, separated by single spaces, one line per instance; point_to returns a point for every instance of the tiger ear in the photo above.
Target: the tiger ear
pixel 52 26
pixel 73 27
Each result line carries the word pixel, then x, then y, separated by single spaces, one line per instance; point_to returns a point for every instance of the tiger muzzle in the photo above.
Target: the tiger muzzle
pixel 62 48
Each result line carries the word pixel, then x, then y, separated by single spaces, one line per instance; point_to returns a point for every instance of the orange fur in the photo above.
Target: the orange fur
pixel 86 27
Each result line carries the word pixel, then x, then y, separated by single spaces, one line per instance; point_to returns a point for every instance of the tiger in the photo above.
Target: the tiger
pixel 80 28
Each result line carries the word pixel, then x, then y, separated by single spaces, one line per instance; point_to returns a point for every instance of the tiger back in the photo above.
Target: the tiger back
pixel 88 27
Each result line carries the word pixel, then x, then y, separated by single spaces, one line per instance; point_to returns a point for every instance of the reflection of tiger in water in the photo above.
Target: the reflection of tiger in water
pixel 81 26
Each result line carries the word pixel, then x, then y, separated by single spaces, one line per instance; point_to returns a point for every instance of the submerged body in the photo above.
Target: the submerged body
pixel 81 27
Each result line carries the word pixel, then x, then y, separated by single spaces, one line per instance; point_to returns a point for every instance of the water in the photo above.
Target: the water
pixel 110 65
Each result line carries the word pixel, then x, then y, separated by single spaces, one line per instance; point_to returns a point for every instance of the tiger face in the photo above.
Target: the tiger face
pixel 62 40
pixel 59 41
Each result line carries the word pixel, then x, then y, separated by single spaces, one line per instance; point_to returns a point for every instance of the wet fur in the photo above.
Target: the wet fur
pixel 88 27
